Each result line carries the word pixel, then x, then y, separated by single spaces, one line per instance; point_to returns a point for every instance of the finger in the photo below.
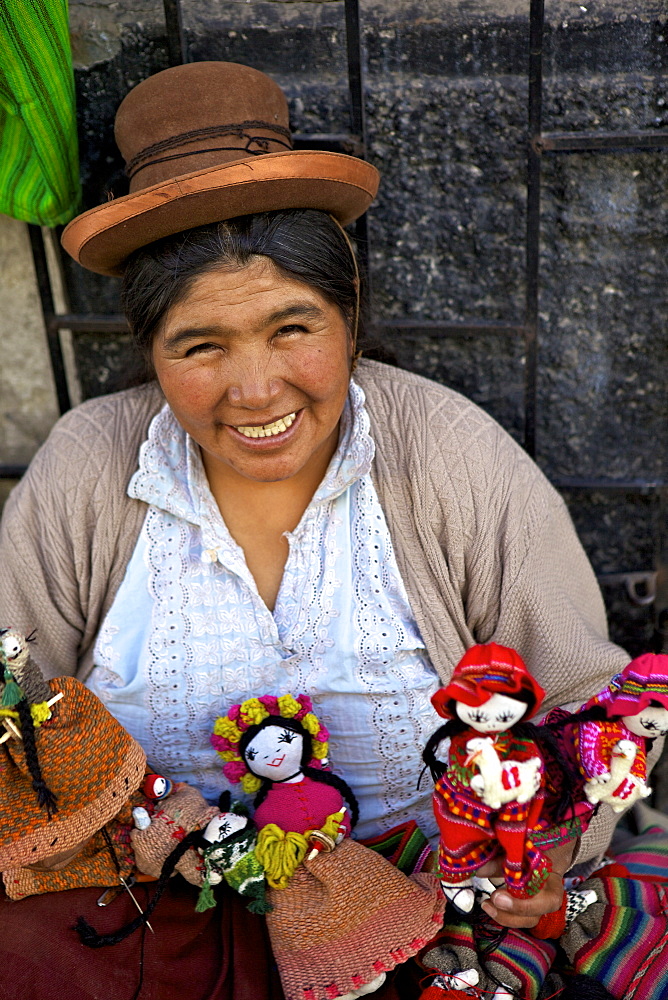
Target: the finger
pixel 562 856
pixel 509 911
pixel 490 869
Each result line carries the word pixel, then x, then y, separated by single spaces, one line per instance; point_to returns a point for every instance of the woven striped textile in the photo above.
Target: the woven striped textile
pixel 519 960
pixel 647 855
pixel 39 169
pixel 404 846
pixel 622 941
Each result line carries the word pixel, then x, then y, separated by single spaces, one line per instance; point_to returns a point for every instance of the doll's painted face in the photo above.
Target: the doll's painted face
pixel 275 753
pixel 224 825
pixel 649 722
pixel 496 715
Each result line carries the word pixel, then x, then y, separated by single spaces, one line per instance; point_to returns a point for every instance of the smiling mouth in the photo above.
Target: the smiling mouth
pixel 268 430
pixel 276 762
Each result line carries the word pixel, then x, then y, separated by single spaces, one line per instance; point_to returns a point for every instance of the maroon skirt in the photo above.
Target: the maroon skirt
pixel 223 954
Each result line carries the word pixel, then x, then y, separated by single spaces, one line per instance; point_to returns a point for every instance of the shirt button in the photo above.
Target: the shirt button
pixel 209 556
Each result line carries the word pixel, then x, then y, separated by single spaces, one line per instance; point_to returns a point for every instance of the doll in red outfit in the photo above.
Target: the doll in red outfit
pixel 342 916
pixel 490 792
pixel 611 734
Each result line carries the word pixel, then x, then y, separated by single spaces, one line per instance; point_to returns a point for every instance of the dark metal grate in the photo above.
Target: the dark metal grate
pixel 539 144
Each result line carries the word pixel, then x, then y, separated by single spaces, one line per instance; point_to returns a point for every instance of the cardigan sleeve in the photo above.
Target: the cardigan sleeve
pixel 39 587
pixel 68 529
pixel 486 546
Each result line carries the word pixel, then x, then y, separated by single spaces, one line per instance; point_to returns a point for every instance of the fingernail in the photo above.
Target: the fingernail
pixel 489 909
pixel 503 901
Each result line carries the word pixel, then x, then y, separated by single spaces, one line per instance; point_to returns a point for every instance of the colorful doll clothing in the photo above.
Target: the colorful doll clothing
pixel 595 743
pixel 472 833
pixel 347 916
pixel 344 916
pixel 300 806
pixel 93 866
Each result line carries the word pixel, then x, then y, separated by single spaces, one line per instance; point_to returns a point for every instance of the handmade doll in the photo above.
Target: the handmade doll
pixel 611 734
pixel 228 851
pixel 70 779
pixel 490 790
pixel 342 915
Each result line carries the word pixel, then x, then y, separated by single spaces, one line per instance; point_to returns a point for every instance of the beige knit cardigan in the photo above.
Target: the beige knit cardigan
pixel 484 544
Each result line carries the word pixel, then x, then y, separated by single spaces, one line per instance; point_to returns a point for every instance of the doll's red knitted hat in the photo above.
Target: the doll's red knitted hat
pixel 642 681
pixel 484 670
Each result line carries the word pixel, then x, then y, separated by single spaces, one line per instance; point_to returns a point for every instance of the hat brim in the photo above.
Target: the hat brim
pixel 69 829
pixel 102 238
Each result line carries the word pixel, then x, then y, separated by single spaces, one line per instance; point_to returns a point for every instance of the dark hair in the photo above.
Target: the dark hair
pixel 303 243
pixel 326 777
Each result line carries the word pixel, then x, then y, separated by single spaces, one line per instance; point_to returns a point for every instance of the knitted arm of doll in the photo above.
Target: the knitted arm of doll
pixel 182 812
pixel 594 759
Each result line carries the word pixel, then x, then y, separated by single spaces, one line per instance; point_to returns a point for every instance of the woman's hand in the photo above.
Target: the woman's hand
pixel 509 911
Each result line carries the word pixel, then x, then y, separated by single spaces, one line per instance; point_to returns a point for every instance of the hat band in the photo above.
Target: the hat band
pixel 151 154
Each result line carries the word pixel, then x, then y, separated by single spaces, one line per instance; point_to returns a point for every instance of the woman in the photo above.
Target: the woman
pixel 255 519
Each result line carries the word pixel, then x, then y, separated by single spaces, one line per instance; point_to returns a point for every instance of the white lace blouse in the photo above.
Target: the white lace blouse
pixel 188 634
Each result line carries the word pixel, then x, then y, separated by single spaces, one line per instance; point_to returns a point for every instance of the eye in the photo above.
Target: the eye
pixel 479 717
pixel 251 754
pixel 224 829
pixel 286 736
pixel 290 330
pixel 504 717
pixel 200 349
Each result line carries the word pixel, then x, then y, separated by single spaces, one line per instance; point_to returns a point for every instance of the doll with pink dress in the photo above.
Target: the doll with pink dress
pixel 609 738
pixel 342 916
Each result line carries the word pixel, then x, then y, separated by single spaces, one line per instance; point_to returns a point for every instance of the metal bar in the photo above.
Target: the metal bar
pixel 358 127
pixel 355 70
pixel 334 142
pixel 88 323
pixel 605 142
pixel 11 471
pixel 640 586
pixel 435 328
pixel 48 312
pixel 177 47
pixel 536 21
pixel 614 485
pixel 661 593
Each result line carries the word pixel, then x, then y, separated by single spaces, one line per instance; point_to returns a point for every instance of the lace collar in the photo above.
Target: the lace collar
pixel 171 474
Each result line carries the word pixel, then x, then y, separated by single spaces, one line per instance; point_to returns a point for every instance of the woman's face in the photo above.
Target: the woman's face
pixel 255 366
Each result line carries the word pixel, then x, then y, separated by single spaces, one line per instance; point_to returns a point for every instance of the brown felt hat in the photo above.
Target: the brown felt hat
pixel 204 142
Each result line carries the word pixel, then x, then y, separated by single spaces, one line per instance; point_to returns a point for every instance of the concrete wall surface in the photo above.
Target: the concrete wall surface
pixel 27 397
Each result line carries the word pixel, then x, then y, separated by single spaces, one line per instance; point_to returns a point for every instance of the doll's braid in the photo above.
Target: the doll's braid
pixel 90 937
pixel 45 796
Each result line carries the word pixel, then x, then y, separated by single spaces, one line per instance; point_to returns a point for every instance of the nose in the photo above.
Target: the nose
pixel 254 383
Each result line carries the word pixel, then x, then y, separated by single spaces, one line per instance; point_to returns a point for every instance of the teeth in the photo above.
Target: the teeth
pixel 268 430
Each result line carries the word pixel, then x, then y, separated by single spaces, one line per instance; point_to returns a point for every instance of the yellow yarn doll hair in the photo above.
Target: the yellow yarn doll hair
pixel 228 730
